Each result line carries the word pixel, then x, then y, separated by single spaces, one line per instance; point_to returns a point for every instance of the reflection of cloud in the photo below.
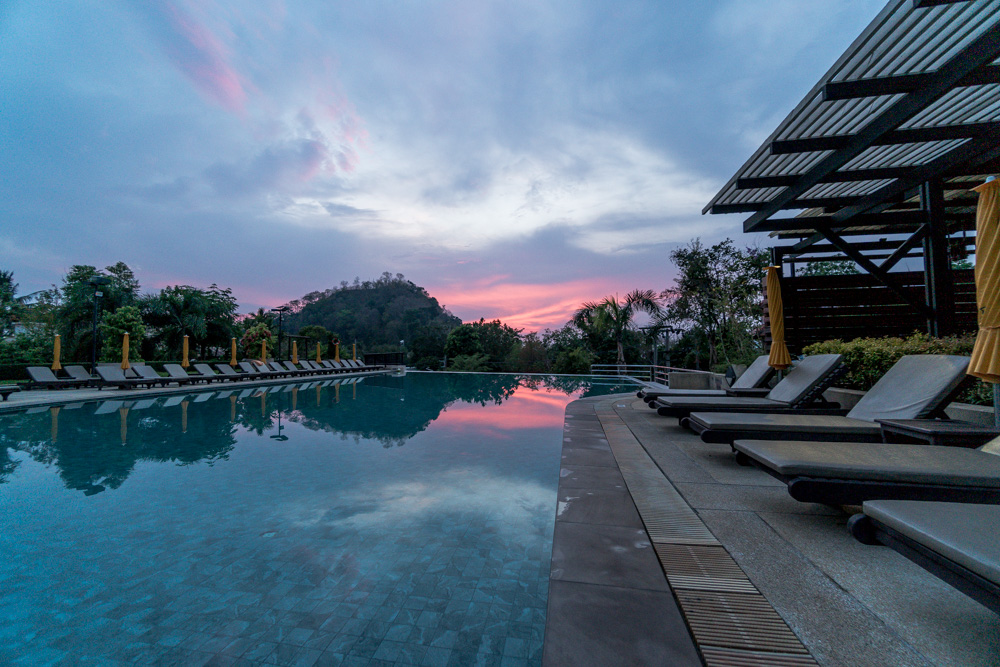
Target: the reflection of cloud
pixel 516 502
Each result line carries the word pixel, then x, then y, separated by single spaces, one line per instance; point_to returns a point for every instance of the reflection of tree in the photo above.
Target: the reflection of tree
pixel 88 451
pixel 93 452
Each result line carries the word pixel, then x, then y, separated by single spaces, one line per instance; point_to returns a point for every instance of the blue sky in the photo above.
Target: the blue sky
pixel 514 157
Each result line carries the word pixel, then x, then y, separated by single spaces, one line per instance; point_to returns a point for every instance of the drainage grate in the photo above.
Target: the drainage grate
pixel 732 623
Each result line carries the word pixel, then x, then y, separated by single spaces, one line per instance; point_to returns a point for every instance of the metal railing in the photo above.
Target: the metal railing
pixel 644 372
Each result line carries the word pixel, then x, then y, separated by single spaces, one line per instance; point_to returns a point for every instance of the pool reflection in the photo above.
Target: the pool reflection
pixel 96 446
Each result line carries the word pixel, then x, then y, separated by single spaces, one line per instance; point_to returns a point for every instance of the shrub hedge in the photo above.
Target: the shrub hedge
pixel 867 359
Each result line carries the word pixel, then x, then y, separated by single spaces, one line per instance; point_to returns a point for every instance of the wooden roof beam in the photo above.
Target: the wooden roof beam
pixel 981 51
pixel 895 85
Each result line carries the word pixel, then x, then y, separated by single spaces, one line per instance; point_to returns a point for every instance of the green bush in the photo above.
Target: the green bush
pixel 867 359
pixel 477 363
pixel 576 361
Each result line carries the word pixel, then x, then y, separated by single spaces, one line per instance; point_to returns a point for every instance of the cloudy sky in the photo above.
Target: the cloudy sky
pixel 514 157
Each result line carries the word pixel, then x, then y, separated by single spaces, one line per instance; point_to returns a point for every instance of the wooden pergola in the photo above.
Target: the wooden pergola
pixel 878 159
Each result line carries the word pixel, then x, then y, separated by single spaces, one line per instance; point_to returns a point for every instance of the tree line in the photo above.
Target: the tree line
pixel 709 317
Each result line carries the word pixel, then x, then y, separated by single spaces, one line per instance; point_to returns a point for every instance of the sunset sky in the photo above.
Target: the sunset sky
pixel 514 157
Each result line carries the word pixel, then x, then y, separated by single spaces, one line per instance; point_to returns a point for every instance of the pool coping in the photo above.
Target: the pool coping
pixel 608 604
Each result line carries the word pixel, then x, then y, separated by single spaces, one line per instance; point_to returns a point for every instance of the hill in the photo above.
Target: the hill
pixel 379 312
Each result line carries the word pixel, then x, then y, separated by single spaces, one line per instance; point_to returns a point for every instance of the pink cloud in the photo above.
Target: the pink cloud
pixel 532 307
pixel 197 52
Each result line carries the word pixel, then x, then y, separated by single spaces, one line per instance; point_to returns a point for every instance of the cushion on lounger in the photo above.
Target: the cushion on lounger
pixel 919 464
pixel 962 532
pixel 913 388
pixel 755 375
pixel 802 379
pixel 785 421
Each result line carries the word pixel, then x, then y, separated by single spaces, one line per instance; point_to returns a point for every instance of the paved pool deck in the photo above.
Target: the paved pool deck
pixel 668 552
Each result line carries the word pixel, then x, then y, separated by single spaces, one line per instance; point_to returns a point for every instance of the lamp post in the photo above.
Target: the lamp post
pixel 281 310
pixel 97 282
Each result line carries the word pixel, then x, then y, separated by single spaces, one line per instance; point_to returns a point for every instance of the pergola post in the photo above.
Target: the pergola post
pixel 937 267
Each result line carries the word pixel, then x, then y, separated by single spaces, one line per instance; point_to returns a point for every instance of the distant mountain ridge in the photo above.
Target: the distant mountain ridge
pixel 379 312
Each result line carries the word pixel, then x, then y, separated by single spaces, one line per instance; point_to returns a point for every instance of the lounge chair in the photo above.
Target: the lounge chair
pixel 251 369
pixel 228 371
pixel 802 387
pixel 207 372
pixel 7 389
pixel 750 383
pixel 42 377
pixel 955 542
pixel 147 373
pixel 849 473
pixel 177 373
pixel 113 376
pixel 916 387
pixel 292 368
pixel 80 373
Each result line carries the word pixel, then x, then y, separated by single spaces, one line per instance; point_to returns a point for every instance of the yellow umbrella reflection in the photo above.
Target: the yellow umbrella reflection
pixel 125 364
pixel 123 413
pixel 985 363
pixel 317 395
pixel 336 393
pixel 232 408
pixel 318 359
pixel 184 355
pixel 54 410
pixel 295 352
pixel 232 360
pixel 354 393
pixel 56 352
pixel 184 416
pixel 336 351
pixel 779 357
pixel 295 396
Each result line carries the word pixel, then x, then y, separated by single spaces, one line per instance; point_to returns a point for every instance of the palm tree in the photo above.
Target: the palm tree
pixel 615 317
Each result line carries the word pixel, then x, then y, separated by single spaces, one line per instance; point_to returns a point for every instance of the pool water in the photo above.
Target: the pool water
pixel 396 520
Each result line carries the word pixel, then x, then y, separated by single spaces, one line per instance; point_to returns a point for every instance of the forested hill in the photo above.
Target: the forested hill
pixel 379 312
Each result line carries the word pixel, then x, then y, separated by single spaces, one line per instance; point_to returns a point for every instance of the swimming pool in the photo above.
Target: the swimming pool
pixel 396 520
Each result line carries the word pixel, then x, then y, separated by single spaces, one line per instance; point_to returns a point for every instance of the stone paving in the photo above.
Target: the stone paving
pixel 847 603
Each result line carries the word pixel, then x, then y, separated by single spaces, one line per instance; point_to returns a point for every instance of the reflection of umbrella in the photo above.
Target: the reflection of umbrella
pixel 232 406
pixel 317 395
pixel 336 390
pixel 295 395
pixel 232 361
pixel 295 352
pixel 125 364
pixel 55 422
pixel 336 351
pixel 56 351
pixel 318 359
pixel 985 363
pixel 184 416
pixel 123 413
pixel 779 358
pixel 184 359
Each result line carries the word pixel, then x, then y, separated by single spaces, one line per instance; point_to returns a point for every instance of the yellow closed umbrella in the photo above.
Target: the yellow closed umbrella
pixel 263 352
pixel 336 351
pixel 232 360
pixel 295 352
pixel 318 346
pixel 779 357
pixel 354 346
pixel 985 362
pixel 184 357
pixel 125 364
pixel 56 351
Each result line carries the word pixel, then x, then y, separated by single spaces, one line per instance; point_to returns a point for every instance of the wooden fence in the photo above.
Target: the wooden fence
pixel 819 308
